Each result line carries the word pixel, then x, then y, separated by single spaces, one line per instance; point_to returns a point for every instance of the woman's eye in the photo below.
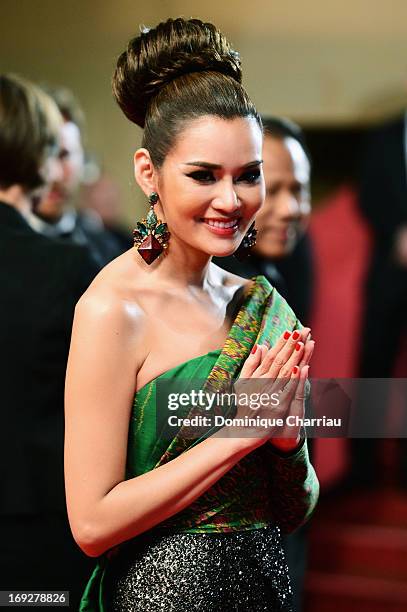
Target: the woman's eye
pixel 249 177
pixel 203 176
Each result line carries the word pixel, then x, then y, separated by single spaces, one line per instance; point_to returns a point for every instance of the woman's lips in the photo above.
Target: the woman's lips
pixel 222 227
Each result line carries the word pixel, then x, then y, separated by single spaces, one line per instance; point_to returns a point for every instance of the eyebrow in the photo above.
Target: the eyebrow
pixel 202 164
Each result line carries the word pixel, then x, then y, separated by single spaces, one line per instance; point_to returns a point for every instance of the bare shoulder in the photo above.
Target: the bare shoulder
pixel 109 302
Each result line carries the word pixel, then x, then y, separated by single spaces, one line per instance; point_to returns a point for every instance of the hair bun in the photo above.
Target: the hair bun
pixel 164 53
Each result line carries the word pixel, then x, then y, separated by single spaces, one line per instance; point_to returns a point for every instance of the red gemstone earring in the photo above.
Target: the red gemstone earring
pixel 152 235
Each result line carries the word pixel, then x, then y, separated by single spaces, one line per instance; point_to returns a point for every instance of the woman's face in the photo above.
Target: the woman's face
pixel 287 204
pixel 211 183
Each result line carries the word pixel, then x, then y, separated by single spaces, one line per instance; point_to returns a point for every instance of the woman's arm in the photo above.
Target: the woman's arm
pixel 104 509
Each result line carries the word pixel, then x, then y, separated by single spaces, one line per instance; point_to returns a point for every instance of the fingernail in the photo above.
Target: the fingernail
pixel 286 335
pixel 254 349
pixel 297 346
pixel 295 335
pixel 295 370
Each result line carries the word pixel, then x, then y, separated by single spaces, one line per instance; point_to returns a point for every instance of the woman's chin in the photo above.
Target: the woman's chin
pixel 225 251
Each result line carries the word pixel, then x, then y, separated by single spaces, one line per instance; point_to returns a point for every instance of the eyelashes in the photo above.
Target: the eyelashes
pixel 250 177
pixel 206 176
pixel 202 176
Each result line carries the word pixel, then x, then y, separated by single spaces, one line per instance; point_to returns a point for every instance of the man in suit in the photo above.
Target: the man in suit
pixel 41 280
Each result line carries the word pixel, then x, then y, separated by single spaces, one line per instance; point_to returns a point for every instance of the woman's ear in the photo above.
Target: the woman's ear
pixel 144 171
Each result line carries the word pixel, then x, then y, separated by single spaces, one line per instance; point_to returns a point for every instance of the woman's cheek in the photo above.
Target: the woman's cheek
pixel 258 202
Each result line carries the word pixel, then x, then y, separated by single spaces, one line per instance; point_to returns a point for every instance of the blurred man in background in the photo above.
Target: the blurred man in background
pixel 56 215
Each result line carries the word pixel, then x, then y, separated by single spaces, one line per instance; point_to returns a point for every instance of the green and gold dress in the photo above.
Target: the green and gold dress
pixel 223 552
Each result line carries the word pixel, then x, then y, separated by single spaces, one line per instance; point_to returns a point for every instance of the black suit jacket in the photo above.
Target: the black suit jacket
pixel 383 191
pixel 41 280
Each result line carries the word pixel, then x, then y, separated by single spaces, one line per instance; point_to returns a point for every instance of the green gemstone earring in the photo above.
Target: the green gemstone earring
pixel 151 235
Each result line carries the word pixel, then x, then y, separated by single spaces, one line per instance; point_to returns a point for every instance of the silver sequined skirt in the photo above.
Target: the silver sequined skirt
pixel 241 571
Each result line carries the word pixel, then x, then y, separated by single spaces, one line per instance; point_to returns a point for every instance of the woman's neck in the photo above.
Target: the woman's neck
pixel 183 266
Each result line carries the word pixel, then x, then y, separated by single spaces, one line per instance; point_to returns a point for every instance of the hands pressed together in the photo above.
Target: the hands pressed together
pixel 281 370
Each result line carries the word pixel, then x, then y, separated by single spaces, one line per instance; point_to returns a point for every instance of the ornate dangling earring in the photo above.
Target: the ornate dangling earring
pixel 152 235
pixel 247 244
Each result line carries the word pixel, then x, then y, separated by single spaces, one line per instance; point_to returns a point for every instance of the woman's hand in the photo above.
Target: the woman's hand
pixel 281 373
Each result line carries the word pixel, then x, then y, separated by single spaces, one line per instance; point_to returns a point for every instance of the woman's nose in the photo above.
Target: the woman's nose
pixel 226 198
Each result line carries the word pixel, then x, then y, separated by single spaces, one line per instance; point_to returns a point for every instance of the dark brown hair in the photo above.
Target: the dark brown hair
pixel 178 71
pixel 29 126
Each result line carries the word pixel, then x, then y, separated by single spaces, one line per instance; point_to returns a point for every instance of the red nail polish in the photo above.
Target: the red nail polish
pixel 295 370
pixel 254 349
pixel 297 346
pixel 286 335
pixel 296 335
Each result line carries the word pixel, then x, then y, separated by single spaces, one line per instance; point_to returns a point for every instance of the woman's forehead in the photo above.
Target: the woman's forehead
pixel 218 140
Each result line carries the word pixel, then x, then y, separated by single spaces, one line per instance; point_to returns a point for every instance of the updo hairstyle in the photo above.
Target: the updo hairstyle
pixel 178 71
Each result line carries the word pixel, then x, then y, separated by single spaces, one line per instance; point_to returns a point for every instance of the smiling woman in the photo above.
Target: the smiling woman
pixel 186 523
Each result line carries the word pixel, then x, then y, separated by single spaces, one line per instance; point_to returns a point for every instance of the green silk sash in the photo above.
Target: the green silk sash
pixel 246 497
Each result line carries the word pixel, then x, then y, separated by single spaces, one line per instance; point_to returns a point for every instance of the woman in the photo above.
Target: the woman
pixel 185 523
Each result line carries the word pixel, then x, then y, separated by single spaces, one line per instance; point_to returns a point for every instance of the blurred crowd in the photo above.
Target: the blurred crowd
pixel 61 222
